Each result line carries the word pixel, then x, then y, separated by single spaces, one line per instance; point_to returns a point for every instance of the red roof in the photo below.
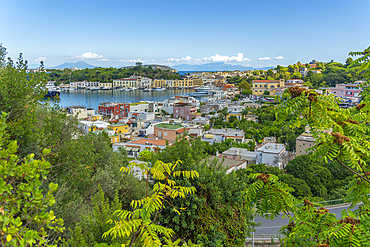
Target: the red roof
pixel 132 146
pixel 180 131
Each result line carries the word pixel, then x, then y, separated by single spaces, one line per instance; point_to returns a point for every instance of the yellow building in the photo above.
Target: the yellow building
pixel 94 118
pixel 127 82
pixel 119 128
pixel 159 83
pixel 114 138
pixel 105 84
pixel 197 82
pixel 260 86
pixel 238 115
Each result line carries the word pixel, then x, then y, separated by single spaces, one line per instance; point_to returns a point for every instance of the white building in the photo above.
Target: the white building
pixel 149 129
pixel 85 125
pixel 220 135
pixel 241 154
pixel 140 115
pixel 133 148
pixel 201 121
pixel 270 154
pixel 80 112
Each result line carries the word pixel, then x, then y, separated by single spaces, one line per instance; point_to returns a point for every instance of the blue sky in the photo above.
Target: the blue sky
pixel 116 33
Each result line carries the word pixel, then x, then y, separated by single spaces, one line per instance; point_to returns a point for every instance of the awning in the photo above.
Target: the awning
pixel 128 149
pixel 135 149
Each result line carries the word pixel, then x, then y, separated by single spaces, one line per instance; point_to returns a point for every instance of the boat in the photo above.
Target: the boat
pixel 52 94
pixel 147 90
pixel 160 89
pixel 198 94
pixel 203 88
pixel 94 88
pixel 107 88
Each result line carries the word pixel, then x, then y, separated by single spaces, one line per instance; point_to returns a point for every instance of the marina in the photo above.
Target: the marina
pixel 92 98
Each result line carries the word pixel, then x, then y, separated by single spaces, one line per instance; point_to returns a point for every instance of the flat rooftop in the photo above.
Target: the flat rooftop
pixel 169 126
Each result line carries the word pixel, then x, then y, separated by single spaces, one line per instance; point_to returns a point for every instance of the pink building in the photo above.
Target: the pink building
pixel 185 111
pixel 346 90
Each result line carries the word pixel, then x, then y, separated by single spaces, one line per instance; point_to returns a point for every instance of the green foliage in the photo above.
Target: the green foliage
pixel 140 224
pixel 89 232
pixel 215 214
pixel 85 163
pixel 108 74
pixel 347 142
pixel 25 215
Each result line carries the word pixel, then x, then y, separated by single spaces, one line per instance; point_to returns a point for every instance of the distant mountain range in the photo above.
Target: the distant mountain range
pixel 80 65
pixel 214 67
pixel 181 67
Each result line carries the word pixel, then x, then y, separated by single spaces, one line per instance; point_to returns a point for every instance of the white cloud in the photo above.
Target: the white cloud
pixel 133 61
pixel 89 55
pixel 279 58
pixel 104 59
pixel 264 58
pixel 186 59
pixel 224 58
pixel 40 59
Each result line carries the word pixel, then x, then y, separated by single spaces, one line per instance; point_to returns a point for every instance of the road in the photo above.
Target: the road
pixel 270 227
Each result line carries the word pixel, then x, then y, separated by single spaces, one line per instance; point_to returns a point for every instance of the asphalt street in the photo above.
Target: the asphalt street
pixel 271 227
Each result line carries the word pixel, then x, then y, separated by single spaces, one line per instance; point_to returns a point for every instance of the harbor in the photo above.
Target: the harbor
pixel 92 98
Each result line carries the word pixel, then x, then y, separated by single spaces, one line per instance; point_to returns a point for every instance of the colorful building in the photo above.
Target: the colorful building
pixel 110 110
pixel 169 132
pixel 119 128
pixel 260 86
pixel 185 111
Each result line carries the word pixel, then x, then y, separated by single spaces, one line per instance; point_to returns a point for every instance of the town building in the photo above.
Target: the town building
pixel 185 111
pixel 220 135
pixel 260 86
pixel 303 143
pixel 87 126
pixel 140 115
pixel 201 121
pixel 345 91
pixel 110 110
pixel 119 127
pixel 133 148
pixel 165 131
pixel 270 154
pixel 80 112
pixel 242 154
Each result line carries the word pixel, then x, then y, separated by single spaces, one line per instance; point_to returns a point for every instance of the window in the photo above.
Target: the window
pixel 165 133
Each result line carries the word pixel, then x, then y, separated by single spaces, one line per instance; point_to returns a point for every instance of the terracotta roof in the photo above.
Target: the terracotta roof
pixel 132 146
pixel 179 131
pixel 144 141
